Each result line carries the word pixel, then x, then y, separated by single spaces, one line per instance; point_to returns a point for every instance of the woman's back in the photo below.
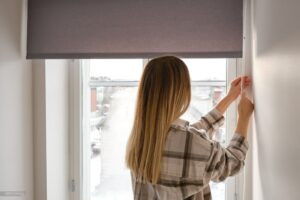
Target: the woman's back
pixel 190 160
pixel 170 159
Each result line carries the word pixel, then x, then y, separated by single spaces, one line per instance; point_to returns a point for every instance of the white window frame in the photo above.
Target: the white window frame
pixel 79 116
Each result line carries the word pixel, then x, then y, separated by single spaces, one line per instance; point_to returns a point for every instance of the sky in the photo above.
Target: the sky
pixel 131 69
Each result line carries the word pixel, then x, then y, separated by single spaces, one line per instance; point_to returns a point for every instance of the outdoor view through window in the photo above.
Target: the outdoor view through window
pixel 113 89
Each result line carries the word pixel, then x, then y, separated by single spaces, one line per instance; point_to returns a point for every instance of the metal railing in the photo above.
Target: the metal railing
pixel 16 193
pixel 95 83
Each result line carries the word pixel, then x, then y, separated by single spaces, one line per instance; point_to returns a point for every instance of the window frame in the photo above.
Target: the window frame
pixel 79 116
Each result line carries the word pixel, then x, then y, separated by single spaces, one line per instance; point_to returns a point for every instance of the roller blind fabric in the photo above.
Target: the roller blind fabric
pixel 134 28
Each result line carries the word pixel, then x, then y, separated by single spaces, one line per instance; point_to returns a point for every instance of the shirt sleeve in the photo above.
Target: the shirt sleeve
pixel 225 162
pixel 210 122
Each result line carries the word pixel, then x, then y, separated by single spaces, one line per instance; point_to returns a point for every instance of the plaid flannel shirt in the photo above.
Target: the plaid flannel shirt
pixel 191 159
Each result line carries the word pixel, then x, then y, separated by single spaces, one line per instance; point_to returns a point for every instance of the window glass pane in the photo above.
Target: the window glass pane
pixel 203 99
pixel 111 117
pixel 116 69
pixel 112 112
pixel 206 69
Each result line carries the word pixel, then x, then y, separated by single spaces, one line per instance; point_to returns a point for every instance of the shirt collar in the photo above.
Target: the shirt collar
pixel 180 122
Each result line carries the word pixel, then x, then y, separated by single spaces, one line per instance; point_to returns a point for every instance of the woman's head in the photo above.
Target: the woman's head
pixel 164 95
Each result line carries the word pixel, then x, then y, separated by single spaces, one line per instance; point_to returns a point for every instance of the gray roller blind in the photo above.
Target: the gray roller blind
pixel 134 28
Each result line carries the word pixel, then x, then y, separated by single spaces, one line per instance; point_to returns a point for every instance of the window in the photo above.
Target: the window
pixel 108 92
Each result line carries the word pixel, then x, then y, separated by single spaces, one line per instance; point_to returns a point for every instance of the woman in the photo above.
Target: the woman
pixel 170 158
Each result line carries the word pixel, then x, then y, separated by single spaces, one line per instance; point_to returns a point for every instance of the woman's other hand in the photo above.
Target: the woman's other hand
pixel 245 107
pixel 245 110
pixel 234 91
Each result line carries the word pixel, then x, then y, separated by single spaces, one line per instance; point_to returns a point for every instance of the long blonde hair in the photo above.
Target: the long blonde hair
pixel 164 94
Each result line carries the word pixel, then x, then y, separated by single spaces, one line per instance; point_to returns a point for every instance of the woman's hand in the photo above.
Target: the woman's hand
pixel 234 91
pixel 245 110
pixel 236 87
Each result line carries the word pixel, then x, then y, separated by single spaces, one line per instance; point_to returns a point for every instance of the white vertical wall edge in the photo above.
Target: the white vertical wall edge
pixel 231 117
pixel 57 130
pixel 235 190
pixel 75 132
pixel 84 66
pixel 51 130
pixel 79 104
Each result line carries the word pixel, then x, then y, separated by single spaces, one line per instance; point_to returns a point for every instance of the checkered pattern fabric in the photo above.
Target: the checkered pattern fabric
pixel 191 159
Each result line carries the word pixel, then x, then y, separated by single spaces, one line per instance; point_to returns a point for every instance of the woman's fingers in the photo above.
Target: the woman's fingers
pixel 246 81
pixel 236 81
pixel 238 86
pixel 241 79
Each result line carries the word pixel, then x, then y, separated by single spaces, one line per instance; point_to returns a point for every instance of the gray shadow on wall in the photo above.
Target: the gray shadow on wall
pixel 260 160
pixel 12 31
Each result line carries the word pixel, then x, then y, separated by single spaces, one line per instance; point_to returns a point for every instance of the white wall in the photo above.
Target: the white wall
pixel 33 120
pixel 16 129
pixel 276 78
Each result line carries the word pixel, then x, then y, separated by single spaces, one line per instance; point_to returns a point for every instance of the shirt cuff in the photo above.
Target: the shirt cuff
pixel 215 118
pixel 239 141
